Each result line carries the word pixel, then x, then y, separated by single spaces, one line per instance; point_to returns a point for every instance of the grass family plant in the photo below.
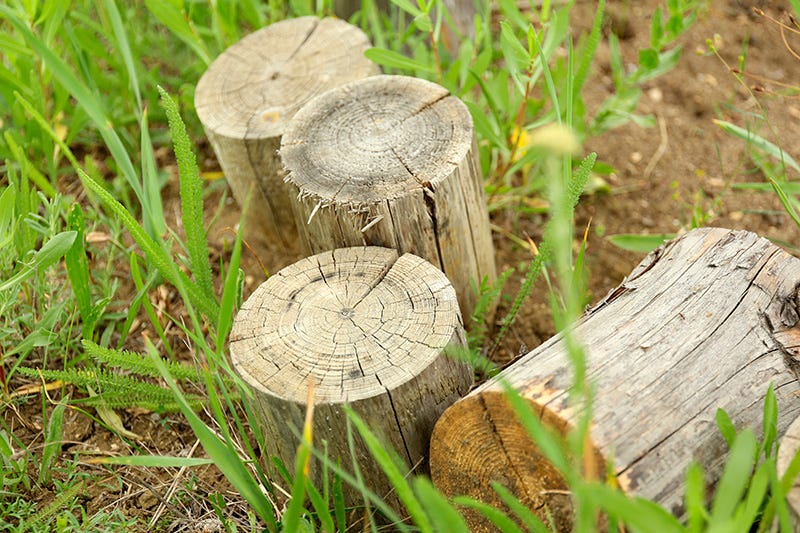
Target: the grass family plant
pixel 87 116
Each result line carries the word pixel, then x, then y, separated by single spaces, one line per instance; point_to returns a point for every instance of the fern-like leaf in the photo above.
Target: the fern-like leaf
pixel 137 363
pixel 191 197
pixel 114 390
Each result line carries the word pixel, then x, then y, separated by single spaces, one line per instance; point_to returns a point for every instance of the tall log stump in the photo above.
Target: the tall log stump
pixel 370 329
pixel 249 94
pixel 707 321
pixel 391 161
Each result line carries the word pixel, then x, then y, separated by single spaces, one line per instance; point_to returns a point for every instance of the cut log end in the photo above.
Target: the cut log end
pixel 479 442
pixel 359 321
pixel 391 161
pixel 254 88
pixel 376 140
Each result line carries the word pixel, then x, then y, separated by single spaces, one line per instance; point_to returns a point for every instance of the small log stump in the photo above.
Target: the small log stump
pixel 707 321
pixel 391 161
pixel 250 93
pixel 370 329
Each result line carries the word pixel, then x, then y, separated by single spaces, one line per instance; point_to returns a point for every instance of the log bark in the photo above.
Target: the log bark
pixel 249 94
pixel 707 321
pixel 391 161
pixel 370 329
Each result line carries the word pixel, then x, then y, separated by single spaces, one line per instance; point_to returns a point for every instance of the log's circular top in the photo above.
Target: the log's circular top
pixel 358 321
pixel 257 85
pixel 376 139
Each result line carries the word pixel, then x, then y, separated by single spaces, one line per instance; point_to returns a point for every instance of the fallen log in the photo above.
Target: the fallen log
pixel 707 321
pixel 391 161
pixel 250 93
pixel 369 328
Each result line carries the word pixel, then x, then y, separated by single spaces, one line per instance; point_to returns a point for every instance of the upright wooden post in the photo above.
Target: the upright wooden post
pixel 391 161
pixel 368 328
pixel 250 93
pixel 708 321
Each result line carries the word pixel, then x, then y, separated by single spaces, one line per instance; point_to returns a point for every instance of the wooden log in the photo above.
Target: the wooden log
pixel 707 321
pixel 370 329
pixel 249 94
pixel 391 161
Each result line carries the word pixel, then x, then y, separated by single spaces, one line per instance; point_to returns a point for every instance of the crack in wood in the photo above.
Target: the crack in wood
pixel 304 41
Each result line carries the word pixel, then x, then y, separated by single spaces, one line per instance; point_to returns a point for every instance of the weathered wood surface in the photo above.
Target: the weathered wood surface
pixel 249 94
pixel 789 447
pixel 707 321
pixel 370 329
pixel 391 161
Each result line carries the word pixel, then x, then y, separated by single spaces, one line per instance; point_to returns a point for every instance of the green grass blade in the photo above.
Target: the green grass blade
pixel 154 461
pixel 444 517
pixel 391 59
pixel 338 503
pixel 91 104
pixel 52 443
pixel 49 253
pixel 78 272
pixel 547 442
pixel 747 514
pixel 123 47
pixel 321 509
pixel 640 514
pixel 178 22
pixel 769 437
pixel 735 477
pixel 150 180
pixel 231 288
pixel 644 243
pixel 27 168
pixel 759 142
pixel 695 498
pixel 154 252
pixel 191 197
pixel 726 427
pixel 502 522
pixel 520 510
pixel 222 453
pixel 789 187
pixel 395 475
pixel 785 201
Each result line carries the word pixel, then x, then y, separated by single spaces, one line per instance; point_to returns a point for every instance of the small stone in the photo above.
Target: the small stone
pixel 656 95
pixel 147 500
pixel 636 157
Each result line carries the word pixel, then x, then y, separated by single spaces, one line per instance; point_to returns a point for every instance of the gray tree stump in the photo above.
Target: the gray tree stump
pixel 370 329
pixel 391 161
pixel 250 93
pixel 707 321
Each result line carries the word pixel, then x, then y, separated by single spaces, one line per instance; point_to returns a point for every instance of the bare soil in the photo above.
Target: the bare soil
pixel 662 175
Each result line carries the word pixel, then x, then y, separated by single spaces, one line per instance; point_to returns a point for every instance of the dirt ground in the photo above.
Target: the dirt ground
pixel 662 175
